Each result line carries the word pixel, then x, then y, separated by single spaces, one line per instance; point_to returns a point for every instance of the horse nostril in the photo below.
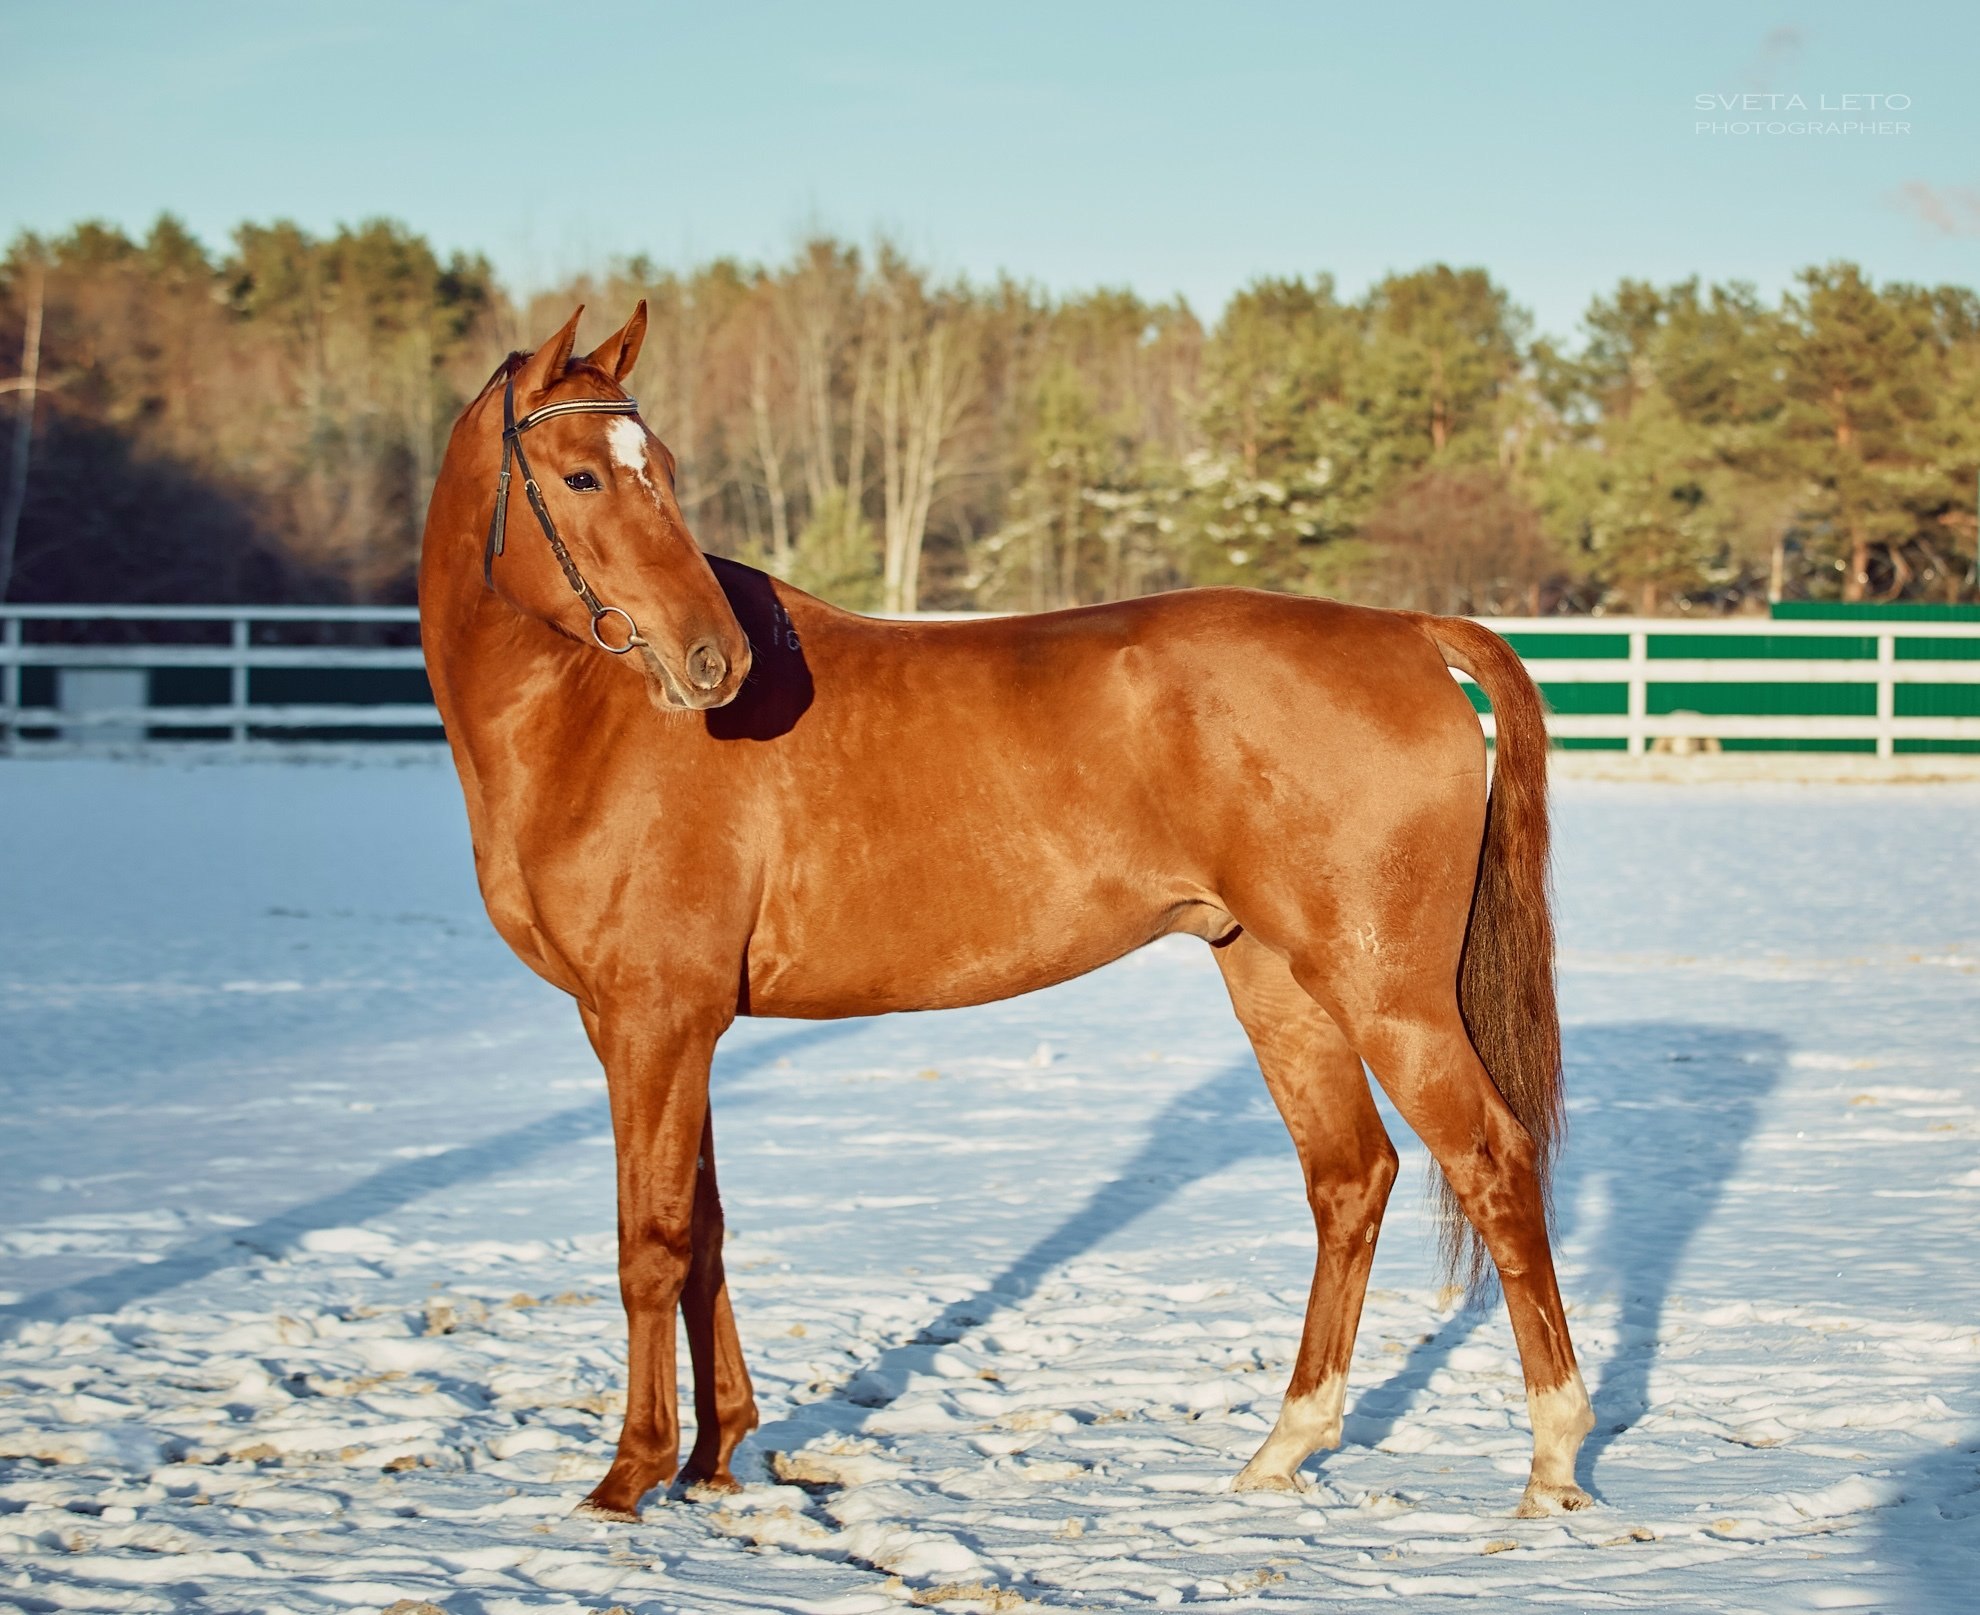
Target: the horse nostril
pixel 706 665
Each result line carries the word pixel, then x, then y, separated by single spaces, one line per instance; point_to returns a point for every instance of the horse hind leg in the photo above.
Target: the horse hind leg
pixel 724 1405
pixel 1317 1082
pixel 1416 1045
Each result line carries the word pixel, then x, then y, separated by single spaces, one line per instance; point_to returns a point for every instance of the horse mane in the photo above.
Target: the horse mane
pixel 516 360
pixel 507 368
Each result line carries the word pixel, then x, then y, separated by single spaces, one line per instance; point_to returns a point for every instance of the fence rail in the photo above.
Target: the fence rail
pixel 1625 684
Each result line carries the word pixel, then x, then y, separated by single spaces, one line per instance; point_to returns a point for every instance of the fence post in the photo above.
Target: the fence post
pixel 1639 690
pixel 237 693
pixel 1886 694
pixel 10 680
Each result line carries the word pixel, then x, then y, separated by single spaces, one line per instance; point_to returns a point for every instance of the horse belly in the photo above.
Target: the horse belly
pixel 937 933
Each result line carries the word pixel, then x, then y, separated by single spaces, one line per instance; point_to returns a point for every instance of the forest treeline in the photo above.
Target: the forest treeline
pixel 265 424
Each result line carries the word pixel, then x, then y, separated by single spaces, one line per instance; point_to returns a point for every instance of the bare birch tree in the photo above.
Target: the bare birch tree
pixel 929 382
pixel 769 453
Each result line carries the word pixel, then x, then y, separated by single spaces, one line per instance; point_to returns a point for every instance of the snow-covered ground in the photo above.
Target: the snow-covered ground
pixel 306 1249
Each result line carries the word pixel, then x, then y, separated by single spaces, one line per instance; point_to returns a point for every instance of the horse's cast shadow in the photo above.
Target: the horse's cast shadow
pixel 1214 1124
pixel 382 1192
pixel 1668 1109
pixel 1662 1114
pixel 1927 1539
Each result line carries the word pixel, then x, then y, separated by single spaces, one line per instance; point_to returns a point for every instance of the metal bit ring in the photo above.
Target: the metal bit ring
pixel 632 630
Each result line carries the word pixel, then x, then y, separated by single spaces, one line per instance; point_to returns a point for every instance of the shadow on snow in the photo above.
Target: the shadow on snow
pixel 1663 1113
pixel 382 1192
pixel 1197 1134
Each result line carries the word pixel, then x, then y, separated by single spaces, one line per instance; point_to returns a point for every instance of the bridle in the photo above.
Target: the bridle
pixel 512 431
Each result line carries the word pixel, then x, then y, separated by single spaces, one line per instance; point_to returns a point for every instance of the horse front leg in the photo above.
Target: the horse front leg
pixel 724 1405
pixel 657 1073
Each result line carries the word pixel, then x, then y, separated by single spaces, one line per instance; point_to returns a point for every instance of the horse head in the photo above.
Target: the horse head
pixel 596 545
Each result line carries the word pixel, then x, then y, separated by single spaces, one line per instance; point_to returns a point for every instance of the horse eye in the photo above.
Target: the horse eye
pixel 581 482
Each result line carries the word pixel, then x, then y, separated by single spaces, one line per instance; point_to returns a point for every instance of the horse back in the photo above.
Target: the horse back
pixel 954 812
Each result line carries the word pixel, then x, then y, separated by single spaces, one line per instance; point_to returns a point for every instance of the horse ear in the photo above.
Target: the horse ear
pixel 545 367
pixel 619 352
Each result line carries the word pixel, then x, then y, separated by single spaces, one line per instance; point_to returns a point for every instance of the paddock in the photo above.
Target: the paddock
pixel 306 1252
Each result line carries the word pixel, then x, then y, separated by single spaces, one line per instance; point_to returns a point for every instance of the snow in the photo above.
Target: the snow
pixel 307 1301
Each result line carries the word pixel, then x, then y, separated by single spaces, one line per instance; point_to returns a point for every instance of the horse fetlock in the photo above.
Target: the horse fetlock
pixel 1308 1422
pixel 712 1452
pixel 1562 1418
pixel 631 1477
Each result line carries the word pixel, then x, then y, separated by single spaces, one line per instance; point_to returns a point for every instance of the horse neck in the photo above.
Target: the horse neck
pixel 498 675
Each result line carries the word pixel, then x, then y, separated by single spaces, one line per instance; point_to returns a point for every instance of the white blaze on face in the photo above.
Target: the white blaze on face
pixel 627 438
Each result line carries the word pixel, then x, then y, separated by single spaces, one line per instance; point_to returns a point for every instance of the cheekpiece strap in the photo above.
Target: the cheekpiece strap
pixel 512 451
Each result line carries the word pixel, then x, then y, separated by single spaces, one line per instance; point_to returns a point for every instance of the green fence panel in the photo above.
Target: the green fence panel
pixel 1939 650
pixel 1903 611
pixel 1938 700
pixel 1762 647
pixel 1811 700
pixel 1599 700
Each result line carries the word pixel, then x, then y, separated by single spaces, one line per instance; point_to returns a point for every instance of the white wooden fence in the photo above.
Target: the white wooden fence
pixel 120 709
pixel 102 692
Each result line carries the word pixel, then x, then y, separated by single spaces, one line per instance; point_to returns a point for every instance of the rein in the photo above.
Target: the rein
pixel 512 431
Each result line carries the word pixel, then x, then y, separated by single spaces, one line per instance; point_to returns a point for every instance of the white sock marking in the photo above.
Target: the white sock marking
pixel 1304 1426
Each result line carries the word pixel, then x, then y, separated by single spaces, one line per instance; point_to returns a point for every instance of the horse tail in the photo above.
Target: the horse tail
pixel 1506 972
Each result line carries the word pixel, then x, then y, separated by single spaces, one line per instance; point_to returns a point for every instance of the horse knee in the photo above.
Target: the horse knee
pixel 1503 1148
pixel 654 1261
pixel 1496 1178
pixel 1382 1172
pixel 1349 1197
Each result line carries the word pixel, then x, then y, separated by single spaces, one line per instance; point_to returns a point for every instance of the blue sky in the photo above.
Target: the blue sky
pixel 1171 148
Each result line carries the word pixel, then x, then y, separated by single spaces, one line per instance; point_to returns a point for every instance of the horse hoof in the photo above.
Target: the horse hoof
pixel 1541 1501
pixel 1263 1481
pixel 707 1488
pixel 592 1510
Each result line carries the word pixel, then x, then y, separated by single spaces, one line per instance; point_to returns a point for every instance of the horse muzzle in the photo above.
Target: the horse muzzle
pixel 706 678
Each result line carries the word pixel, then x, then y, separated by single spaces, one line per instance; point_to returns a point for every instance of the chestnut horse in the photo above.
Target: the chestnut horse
pixel 779 808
